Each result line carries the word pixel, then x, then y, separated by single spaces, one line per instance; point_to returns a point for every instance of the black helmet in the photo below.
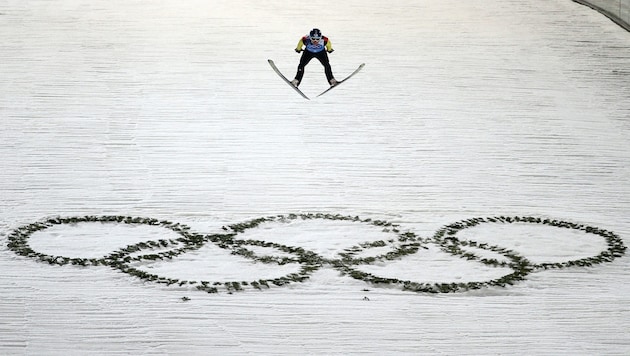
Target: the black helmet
pixel 315 33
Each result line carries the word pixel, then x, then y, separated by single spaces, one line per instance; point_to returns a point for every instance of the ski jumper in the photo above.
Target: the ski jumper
pixel 312 50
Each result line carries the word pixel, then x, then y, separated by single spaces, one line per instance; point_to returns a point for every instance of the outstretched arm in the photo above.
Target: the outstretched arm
pixel 329 48
pixel 300 45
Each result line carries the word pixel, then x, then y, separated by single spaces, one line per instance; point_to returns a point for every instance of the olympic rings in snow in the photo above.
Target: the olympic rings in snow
pixel 404 243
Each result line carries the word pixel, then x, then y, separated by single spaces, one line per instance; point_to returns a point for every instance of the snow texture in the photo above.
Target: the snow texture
pixel 168 110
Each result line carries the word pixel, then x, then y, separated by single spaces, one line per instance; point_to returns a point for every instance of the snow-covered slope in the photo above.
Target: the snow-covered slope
pixel 177 159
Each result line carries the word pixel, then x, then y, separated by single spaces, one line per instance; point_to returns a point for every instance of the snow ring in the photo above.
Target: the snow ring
pixel 406 243
pixel 447 237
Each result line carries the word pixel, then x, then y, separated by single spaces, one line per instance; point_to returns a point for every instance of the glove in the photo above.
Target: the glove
pixel 331 50
pixel 298 50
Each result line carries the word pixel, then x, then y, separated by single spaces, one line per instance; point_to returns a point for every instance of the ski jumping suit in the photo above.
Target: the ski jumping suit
pixel 312 50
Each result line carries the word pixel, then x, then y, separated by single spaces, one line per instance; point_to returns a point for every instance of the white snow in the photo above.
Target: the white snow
pixel 169 110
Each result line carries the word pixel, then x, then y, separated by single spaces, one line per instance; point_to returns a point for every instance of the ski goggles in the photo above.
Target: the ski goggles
pixel 315 38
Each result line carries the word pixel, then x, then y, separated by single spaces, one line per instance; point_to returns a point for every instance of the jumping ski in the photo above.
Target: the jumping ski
pixel 275 69
pixel 341 81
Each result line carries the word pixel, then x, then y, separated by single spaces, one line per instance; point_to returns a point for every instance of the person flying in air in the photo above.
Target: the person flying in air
pixel 314 45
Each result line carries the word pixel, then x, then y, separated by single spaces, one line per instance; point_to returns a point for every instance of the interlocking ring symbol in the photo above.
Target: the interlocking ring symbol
pixel 404 244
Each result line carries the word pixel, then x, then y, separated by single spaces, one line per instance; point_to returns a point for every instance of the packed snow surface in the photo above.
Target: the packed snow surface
pixel 151 139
